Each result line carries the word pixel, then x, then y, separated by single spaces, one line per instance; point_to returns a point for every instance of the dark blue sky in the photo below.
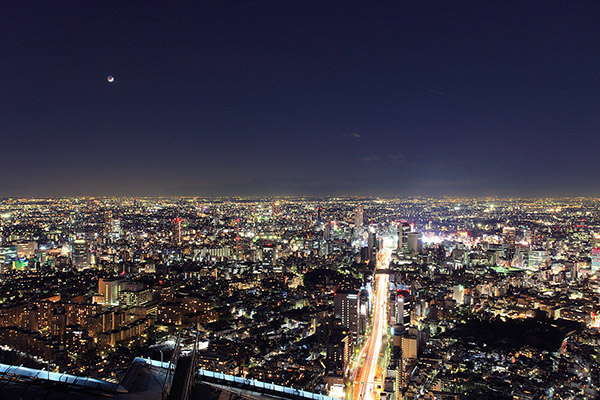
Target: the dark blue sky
pixel 300 97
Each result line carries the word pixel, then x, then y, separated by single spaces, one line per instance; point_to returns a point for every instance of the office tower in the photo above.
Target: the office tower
pixel 176 233
pixel 409 347
pixel 536 259
pixel 347 308
pixel 527 235
pixel 415 242
pixel 508 235
pixel 358 221
pixel 115 228
pixel 109 289
pixel 404 228
pixel 269 254
pixel 26 249
pixel 327 231
pixel 403 309
pixel 108 223
pixel 458 294
pixel 81 253
pixel 8 254
pixel 372 245
pixel 338 350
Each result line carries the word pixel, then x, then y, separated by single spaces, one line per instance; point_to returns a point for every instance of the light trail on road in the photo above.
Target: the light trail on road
pixel 364 386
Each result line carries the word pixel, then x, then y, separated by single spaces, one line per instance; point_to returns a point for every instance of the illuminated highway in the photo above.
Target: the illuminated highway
pixel 363 377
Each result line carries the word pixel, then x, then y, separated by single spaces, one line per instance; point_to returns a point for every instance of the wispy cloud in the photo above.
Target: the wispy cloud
pixel 375 157
pixel 370 158
pixel 436 92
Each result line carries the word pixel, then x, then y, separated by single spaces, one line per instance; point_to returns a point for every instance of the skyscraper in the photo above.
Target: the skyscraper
pixel 415 242
pixel 346 307
pixel 81 253
pixel 358 219
pixel 109 289
pixel 176 234
pixel 372 245
pixel 327 231
pixel 404 228
pixel 115 228
pixel 509 235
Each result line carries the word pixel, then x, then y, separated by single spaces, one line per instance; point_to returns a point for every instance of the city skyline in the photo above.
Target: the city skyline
pixel 299 98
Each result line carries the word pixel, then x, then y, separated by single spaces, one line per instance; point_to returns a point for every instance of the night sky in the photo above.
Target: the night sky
pixel 445 98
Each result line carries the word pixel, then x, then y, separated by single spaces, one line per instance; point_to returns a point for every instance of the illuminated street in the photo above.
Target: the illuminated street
pixel 364 385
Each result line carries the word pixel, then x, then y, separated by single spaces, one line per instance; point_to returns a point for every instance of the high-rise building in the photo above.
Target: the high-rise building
pixel 26 249
pixel 404 228
pixel 115 228
pixel 526 235
pixel 358 219
pixel 509 235
pixel 347 308
pixel 372 245
pixel 458 294
pixel 176 233
pixel 8 254
pixel 403 309
pixel 415 242
pixel 327 231
pixel 536 259
pixel 109 289
pixel 269 254
pixel 81 253
pixel 108 223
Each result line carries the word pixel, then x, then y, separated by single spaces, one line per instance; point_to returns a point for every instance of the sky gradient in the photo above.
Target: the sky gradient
pixel 300 97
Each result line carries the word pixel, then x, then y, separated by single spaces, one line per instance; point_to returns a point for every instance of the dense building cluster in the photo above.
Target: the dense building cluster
pixel 487 297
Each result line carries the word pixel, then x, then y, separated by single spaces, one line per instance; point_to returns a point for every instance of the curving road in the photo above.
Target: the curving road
pixel 363 377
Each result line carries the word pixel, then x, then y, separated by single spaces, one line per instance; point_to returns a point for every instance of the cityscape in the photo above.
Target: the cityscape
pixel 351 298
pixel 299 200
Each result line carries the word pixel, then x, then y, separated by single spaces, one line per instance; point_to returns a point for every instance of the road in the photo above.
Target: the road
pixel 363 377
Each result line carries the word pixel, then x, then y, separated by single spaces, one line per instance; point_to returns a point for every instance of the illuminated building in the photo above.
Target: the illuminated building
pixel 415 242
pixel 509 235
pixel 115 228
pixel 358 219
pixel 176 234
pixel 595 260
pixel 536 259
pixel 347 307
pixel 458 294
pixel 403 308
pixel 269 254
pixel 109 289
pixel 327 231
pixel 81 253
pixel 8 254
pixel 338 351
pixel 372 245
pixel 404 228
pixel 26 249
